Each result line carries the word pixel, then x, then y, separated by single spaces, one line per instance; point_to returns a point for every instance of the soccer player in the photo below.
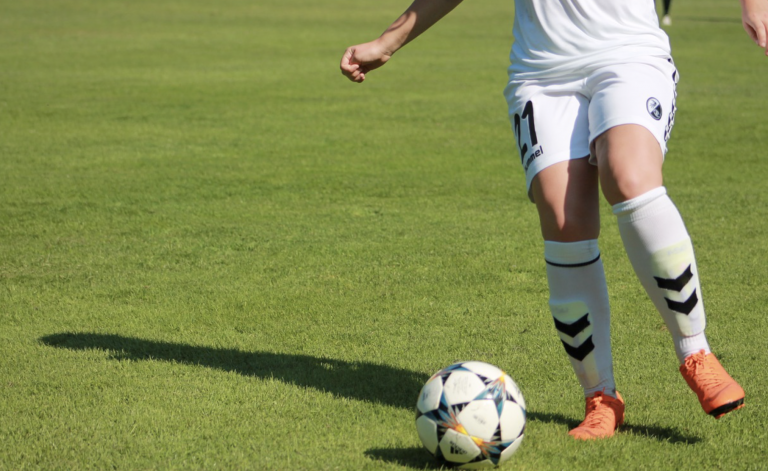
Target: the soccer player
pixel 591 97
pixel 666 20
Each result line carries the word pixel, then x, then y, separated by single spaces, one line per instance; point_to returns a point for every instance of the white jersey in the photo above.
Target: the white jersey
pixel 555 38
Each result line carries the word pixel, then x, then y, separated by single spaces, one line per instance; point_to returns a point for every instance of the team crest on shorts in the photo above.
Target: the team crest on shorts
pixel 654 108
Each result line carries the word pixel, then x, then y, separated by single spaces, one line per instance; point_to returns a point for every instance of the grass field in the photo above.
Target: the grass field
pixel 217 253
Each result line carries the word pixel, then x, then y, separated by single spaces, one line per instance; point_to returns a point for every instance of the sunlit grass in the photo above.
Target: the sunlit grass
pixel 216 253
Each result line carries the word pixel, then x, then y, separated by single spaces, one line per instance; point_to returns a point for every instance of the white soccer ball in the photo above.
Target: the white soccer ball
pixel 471 414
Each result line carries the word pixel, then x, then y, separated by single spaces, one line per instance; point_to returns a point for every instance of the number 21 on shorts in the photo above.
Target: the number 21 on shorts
pixel 525 133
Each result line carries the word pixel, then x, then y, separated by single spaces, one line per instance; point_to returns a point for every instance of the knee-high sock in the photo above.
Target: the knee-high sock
pixel 578 299
pixel 660 249
pixel 666 6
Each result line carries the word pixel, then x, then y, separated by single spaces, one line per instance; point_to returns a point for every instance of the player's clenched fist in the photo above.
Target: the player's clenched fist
pixel 361 59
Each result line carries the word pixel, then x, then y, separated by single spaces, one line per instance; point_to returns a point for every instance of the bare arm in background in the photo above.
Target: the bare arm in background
pixel 420 16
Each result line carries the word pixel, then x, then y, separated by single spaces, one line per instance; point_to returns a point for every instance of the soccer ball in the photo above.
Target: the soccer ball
pixel 471 414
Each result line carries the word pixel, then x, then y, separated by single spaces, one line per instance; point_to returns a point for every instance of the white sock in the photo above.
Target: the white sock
pixel 578 299
pixel 660 249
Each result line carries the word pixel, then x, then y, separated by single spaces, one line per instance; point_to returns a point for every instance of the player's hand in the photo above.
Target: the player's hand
pixel 754 17
pixel 361 59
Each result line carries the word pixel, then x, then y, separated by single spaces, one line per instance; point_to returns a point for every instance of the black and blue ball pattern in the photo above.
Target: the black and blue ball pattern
pixel 471 414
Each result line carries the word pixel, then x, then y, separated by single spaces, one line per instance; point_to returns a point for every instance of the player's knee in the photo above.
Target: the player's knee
pixel 629 185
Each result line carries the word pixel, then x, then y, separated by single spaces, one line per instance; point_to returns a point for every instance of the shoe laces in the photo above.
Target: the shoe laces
pixel 702 371
pixel 597 416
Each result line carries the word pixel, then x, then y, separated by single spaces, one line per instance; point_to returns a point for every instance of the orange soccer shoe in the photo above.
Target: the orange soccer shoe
pixel 718 392
pixel 604 415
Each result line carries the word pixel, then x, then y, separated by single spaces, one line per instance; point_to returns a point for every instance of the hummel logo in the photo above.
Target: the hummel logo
pixel 580 326
pixel 580 352
pixel 572 330
pixel 675 284
pixel 678 284
pixel 535 154
pixel 685 307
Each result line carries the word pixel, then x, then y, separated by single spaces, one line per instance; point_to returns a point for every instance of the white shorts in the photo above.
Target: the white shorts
pixel 557 119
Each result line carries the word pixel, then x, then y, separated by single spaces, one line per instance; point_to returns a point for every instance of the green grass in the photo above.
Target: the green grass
pixel 216 253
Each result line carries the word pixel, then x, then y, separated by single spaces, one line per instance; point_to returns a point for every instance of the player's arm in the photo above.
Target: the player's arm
pixel 419 17
pixel 754 17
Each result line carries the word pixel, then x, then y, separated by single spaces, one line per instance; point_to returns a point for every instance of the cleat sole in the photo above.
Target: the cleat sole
pixel 724 409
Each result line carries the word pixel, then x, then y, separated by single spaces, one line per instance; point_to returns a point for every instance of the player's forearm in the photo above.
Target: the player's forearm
pixel 753 6
pixel 419 17
pixel 749 3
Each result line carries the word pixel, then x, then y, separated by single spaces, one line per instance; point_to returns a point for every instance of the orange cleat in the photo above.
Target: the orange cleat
pixel 604 415
pixel 718 392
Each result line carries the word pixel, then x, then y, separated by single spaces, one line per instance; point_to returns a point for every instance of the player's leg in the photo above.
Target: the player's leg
pixel 630 158
pixel 566 197
pixel 666 20
pixel 550 123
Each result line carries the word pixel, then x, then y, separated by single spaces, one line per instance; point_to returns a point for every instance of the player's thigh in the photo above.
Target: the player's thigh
pixel 630 162
pixel 550 123
pixel 566 197
pixel 631 114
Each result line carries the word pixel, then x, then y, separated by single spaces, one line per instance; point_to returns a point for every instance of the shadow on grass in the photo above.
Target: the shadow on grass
pixel 356 380
pixel 662 434
pixel 418 458
pixel 412 457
